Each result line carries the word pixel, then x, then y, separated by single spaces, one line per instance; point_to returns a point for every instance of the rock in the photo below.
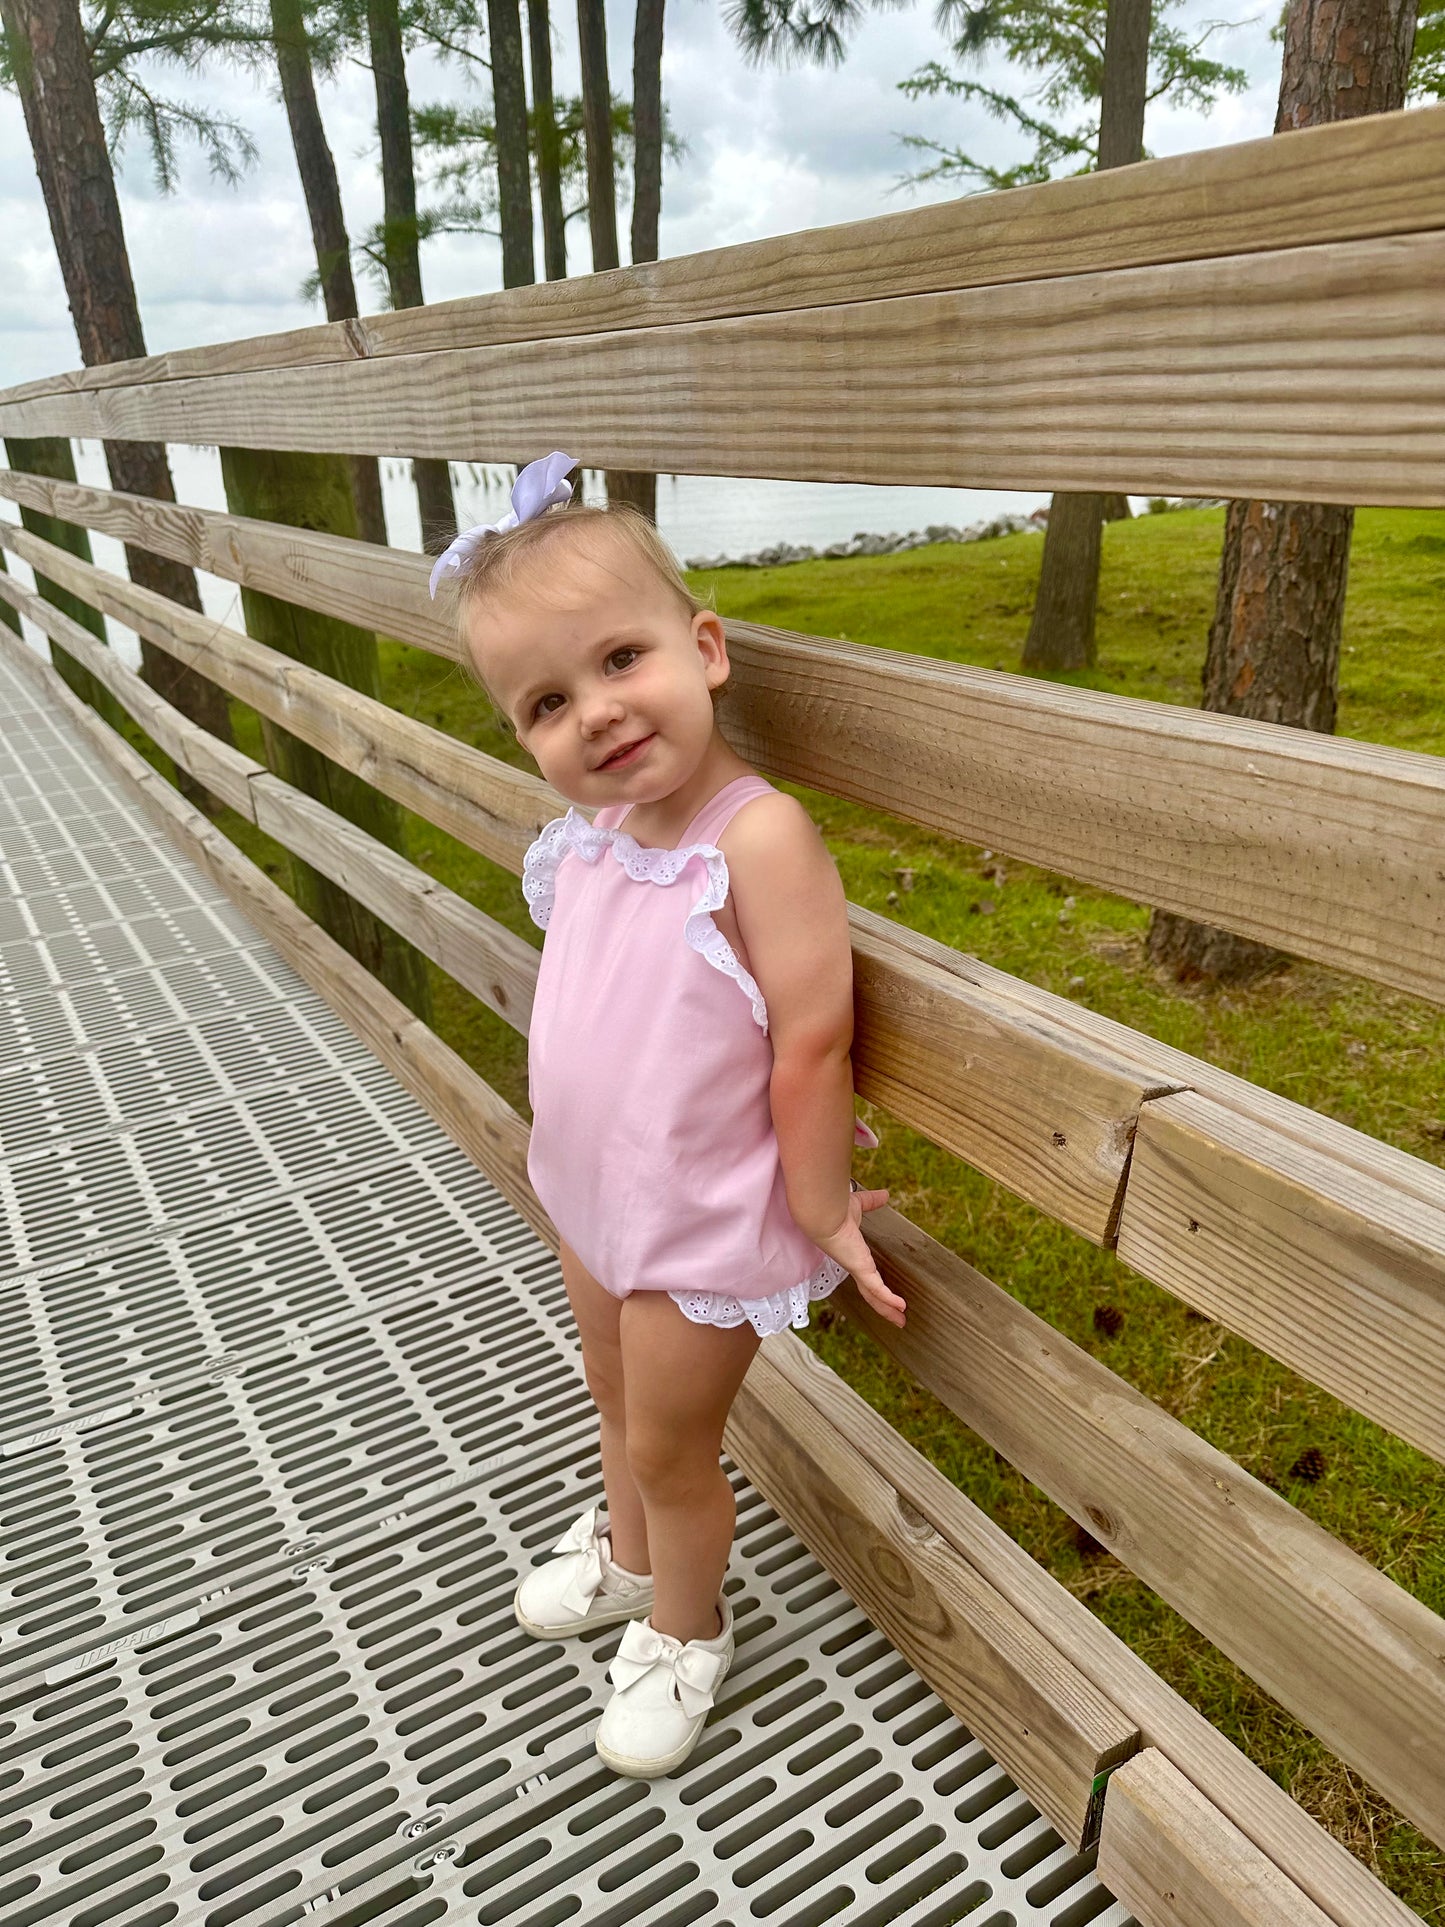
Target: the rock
pixel 779 554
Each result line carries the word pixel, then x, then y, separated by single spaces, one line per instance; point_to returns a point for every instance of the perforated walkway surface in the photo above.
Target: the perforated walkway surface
pixel 289 1398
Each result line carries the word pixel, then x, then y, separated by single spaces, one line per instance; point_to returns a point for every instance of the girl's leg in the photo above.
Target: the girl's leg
pixel 595 1311
pixel 679 1380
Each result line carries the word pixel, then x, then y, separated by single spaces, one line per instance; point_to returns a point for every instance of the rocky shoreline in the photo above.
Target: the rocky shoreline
pixel 863 544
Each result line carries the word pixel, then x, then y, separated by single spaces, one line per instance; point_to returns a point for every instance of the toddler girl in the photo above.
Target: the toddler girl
pixel 688 1060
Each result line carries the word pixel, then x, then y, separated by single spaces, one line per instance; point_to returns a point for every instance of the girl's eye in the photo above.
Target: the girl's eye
pixel 545 705
pixel 622 659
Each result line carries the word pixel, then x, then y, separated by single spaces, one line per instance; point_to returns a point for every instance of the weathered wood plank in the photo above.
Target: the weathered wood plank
pixel 1176 1861
pixel 1349 182
pixel 1323 1868
pixel 494 809
pixel 1105 787
pixel 1038 1105
pixel 1053 1126
pixel 1382 1163
pixel 381 589
pixel 225 771
pixel 1052 1728
pixel 934 1054
pixel 1263 1812
pixel 1323 846
pixel 483 956
pixel 1334 1272
pixel 464 1104
pixel 1309 374
pixel 1348 1652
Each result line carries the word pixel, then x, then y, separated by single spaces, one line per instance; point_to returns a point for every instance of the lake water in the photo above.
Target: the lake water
pixel 700 515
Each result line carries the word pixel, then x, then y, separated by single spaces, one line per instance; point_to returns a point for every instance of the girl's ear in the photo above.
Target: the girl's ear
pixel 712 645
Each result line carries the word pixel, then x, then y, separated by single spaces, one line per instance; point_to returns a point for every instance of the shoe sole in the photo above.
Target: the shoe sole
pixel 571 1628
pixel 634 1769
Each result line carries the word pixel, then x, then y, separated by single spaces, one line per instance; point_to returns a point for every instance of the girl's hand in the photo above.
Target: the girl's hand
pixel 848 1245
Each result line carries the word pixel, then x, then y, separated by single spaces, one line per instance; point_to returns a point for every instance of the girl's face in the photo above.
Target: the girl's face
pixel 605 675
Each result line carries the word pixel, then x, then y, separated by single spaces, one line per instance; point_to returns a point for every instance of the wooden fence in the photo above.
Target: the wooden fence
pixel 1261 320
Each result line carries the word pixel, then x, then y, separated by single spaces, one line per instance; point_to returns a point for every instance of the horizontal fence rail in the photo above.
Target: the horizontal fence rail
pixel 1339 1644
pixel 925 1507
pixel 1325 847
pixel 1310 374
pixel 1033 1091
pixel 1051 1120
pixel 1262 321
pixel 1177 1862
pixel 1357 180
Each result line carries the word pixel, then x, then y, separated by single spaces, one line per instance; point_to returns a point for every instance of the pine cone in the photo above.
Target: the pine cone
pixel 1108 1319
pixel 1309 1466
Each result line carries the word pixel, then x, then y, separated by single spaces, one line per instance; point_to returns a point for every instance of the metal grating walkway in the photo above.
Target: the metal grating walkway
pixel 288 1400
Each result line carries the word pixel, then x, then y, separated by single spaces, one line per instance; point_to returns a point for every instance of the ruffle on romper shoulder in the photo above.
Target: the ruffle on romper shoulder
pixel 775 1313
pixel 574 833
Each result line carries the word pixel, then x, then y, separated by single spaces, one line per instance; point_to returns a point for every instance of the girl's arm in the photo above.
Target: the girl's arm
pixel 793 920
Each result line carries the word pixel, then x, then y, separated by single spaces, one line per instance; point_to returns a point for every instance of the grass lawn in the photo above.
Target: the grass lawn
pixel 1369 1057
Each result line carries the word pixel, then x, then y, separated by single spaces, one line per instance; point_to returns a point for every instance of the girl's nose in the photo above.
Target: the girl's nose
pixel 598 711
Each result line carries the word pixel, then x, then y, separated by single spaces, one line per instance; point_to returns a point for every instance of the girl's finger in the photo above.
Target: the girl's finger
pixel 871 1200
pixel 876 1292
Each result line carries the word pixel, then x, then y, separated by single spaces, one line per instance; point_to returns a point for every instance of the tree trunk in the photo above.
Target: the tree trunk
pixel 328 226
pixel 1061 633
pixel 432 476
pixel 52 456
pixel 547 143
pixel 1116 508
pixel 634 487
pixel 597 132
pixel 647 128
pixel 514 177
pixel 1274 646
pixel 313 492
pixel 403 255
pixel 62 115
pixel 623 485
pixel 639 487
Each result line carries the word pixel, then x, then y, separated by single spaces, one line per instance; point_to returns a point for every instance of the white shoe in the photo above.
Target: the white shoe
pixel 664 1693
pixel 581 1587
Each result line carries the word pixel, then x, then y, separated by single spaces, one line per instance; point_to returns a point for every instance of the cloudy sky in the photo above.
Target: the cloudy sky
pixel 767 152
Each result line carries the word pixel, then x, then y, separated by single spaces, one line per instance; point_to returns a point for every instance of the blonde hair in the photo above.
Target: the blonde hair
pixel 494 565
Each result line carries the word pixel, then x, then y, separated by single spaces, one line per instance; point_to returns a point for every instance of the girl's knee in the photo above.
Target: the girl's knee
pixel 665 1468
pixel 605 1384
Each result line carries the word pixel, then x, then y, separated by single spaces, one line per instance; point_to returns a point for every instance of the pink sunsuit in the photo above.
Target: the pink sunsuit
pixel 652 1144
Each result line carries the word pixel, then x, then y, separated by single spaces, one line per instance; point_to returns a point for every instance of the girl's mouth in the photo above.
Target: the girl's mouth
pixel 628 753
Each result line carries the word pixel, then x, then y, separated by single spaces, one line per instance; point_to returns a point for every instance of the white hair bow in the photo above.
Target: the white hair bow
pixel 540 485
pixel 584 1538
pixel 695 1670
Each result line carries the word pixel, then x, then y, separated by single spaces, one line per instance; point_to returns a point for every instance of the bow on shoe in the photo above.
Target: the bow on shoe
pixel 540 485
pixel 643 1648
pixel 583 1537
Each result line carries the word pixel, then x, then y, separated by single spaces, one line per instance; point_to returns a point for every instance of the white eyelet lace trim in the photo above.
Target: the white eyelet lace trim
pixel 700 933
pixel 766 1315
